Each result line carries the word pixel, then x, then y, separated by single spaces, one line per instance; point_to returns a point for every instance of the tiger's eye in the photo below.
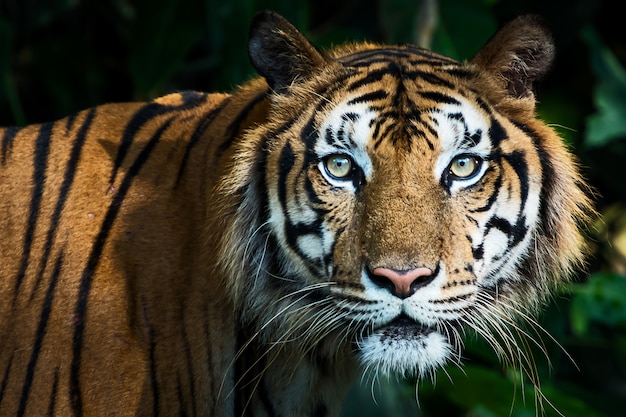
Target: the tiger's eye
pixel 464 166
pixel 338 166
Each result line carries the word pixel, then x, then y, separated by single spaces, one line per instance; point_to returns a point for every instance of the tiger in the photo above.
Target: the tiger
pixel 345 212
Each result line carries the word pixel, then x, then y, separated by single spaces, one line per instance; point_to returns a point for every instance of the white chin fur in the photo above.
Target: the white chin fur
pixel 406 357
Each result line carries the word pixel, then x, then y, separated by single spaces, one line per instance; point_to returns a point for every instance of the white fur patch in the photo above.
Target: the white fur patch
pixel 358 130
pixel 404 356
pixel 451 134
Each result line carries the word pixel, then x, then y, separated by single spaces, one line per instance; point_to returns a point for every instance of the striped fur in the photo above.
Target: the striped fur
pixel 199 255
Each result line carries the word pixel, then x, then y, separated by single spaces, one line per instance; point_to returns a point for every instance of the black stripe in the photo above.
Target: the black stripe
pixel 190 368
pixel 39 336
pixel 310 135
pixel 383 128
pixel 68 179
pixel 500 224
pixel 141 117
pixel 154 382
pixel 7 142
pixel 407 51
pixel 440 97
pixel 479 252
pixel 371 56
pixel 207 344
pixel 69 122
pixel 496 191
pixel 418 132
pixel 547 178
pixel 373 96
pixel 353 286
pixel 53 394
pixel 235 126
pixel 461 73
pixel 5 378
pixel 293 231
pixel 144 115
pixel 42 148
pixel 204 124
pixel 182 410
pixel 286 163
pixel 496 133
pixel 94 258
pixel 517 160
pixel 370 77
pixel 245 374
pixel 429 77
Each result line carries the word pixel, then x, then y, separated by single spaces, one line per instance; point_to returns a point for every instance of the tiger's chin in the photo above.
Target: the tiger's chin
pixel 405 348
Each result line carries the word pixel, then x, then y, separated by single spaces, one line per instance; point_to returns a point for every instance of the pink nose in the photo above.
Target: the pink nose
pixel 403 283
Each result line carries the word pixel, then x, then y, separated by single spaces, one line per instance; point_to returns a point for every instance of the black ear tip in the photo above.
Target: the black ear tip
pixel 261 28
pixel 279 52
pixel 265 19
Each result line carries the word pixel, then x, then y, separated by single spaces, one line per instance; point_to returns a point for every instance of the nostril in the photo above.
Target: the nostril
pixel 402 284
pixel 382 281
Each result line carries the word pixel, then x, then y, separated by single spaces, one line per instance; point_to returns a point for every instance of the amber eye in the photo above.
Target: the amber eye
pixel 464 166
pixel 338 166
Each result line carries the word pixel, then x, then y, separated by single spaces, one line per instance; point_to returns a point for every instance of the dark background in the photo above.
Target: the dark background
pixel 60 56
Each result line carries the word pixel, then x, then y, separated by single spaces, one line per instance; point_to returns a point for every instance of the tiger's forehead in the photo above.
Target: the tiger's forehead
pixel 427 131
pixel 400 92
pixel 403 112
pixel 366 55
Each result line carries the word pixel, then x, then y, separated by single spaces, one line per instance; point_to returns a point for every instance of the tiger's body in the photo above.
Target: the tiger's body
pixel 247 254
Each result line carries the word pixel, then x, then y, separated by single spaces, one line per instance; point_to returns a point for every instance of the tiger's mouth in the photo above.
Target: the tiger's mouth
pixel 404 347
pixel 403 328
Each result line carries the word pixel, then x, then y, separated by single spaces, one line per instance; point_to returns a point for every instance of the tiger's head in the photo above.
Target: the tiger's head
pixel 393 196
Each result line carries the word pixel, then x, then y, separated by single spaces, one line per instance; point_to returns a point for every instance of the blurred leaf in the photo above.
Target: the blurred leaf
pixel 161 37
pixel 609 121
pixel 382 397
pixel 397 18
pixel 8 88
pixel 464 26
pixel 601 300
pixel 486 393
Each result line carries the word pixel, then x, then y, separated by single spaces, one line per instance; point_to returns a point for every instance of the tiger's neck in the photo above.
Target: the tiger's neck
pixel 289 377
pixel 285 380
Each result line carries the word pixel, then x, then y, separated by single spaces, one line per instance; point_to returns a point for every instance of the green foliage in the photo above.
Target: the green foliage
pixel 602 300
pixel 158 43
pixel 609 121
pixel 60 56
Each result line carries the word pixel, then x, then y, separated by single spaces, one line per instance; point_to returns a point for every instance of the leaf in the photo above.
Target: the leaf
pixel 8 86
pixel 609 121
pixel 600 300
pixel 397 19
pixel 464 26
pixel 489 393
pixel 161 37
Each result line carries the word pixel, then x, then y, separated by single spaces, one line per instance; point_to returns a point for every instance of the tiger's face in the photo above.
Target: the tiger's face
pixel 407 196
pixel 410 203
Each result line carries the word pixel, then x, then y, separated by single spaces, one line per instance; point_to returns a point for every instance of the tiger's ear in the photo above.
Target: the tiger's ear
pixel 279 52
pixel 518 55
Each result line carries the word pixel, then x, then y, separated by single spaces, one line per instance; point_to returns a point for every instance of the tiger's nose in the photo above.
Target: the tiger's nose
pixel 402 284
